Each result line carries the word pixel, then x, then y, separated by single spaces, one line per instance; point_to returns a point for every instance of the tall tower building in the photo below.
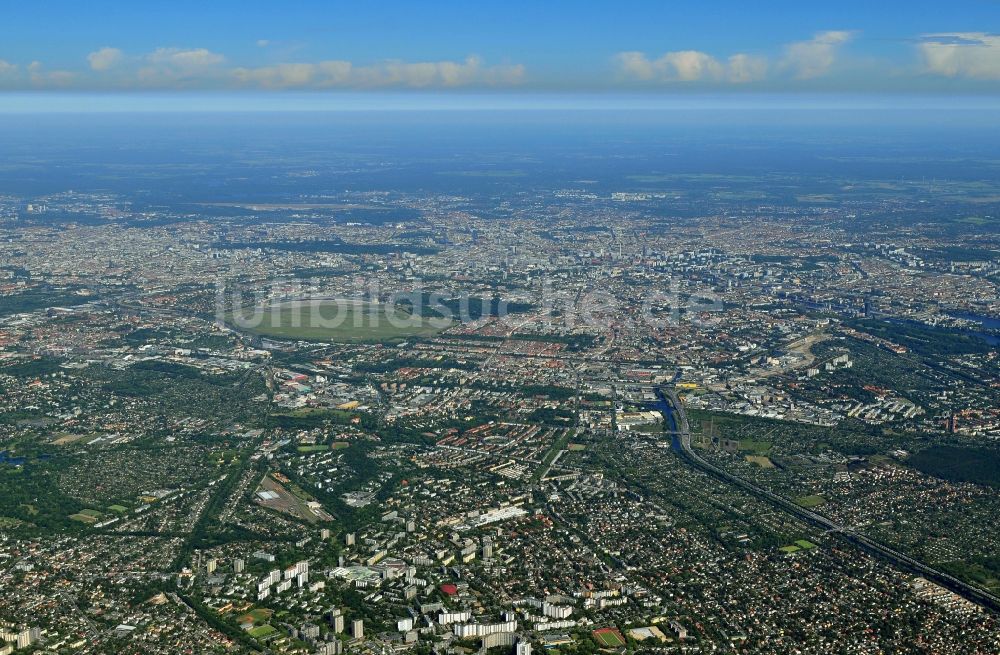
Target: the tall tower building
pixel 336 620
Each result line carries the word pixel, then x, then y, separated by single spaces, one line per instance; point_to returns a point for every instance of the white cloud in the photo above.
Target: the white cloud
pixel 38 76
pixel 962 54
pixel 181 67
pixel 302 75
pixel 340 73
pixel 263 43
pixel 635 65
pixel 815 57
pixel 200 68
pixel 747 68
pixel 439 73
pixel 334 72
pixel 193 59
pixel 104 59
pixel 801 59
pixel 7 69
pixel 691 66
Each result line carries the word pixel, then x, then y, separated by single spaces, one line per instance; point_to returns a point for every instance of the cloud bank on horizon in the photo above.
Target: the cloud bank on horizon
pixel 825 57
pixel 166 68
pixel 801 60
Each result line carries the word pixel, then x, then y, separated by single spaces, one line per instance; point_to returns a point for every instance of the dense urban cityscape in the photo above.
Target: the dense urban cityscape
pixel 667 417
pixel 521 328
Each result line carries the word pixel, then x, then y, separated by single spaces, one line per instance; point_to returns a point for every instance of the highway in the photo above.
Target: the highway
pixel 975 594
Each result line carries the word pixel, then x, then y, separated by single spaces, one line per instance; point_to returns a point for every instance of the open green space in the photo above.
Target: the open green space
pixel 36 298
pixel 262 631
pixel 975 220
pixel 313 449
pixel 560 444
pixel 754 446
pixel 322 447
pixel 257 616
pixel 810 501
pixel 337 322
pixel 761 461
pixel 959 464
pixel 984 572
pixel 609 638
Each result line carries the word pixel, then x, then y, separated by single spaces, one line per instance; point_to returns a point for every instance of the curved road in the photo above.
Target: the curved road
pixel 975 594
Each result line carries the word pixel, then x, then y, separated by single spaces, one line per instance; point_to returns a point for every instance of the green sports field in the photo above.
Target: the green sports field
pixel 313 449
pixel 86 516
pixel 336 322
pixel 262 631
pixel 609 638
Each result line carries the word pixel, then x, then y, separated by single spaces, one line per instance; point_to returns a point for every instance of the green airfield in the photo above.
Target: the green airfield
pixel 331 321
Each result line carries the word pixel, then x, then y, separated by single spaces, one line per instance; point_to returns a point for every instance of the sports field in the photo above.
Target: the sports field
pixel 609 638
pixel 799 545
pixel 262 631
pixel 336 322
pixel 320 447
pixel 257 616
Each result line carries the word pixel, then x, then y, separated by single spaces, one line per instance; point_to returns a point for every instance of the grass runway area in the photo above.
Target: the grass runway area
pixel 333 321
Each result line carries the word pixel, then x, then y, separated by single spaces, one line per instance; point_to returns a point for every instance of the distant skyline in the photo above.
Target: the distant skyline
pixel 917 47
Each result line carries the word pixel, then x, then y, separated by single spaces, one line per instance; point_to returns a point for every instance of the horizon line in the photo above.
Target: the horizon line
pixel 81 102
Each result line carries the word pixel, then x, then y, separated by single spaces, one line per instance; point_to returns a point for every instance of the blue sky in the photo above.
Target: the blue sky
pixel 544 47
